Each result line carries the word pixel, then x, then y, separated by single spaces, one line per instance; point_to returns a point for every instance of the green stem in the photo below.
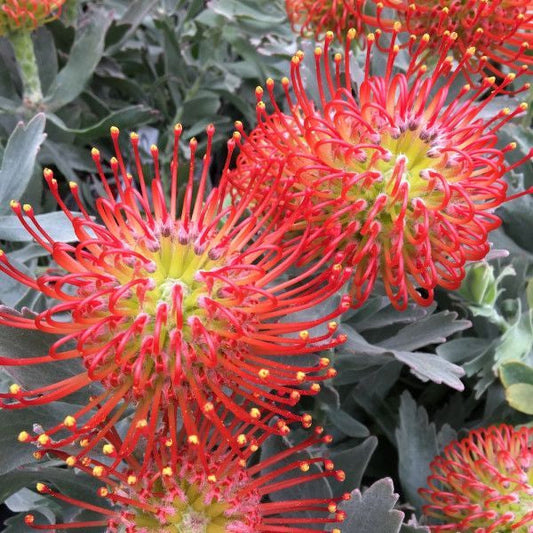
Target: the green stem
pixel 25 55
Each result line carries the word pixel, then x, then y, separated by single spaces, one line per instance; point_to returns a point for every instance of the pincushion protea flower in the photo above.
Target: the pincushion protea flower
pixel 405 183
pixel 484 482
pixel 168 305
pixel 315 17
pixel 176 493
pixel 26 15
pixel 501 30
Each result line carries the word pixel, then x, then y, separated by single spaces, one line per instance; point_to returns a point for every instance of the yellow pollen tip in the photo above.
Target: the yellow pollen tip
pixel 95 152
pixel 371 37
pixel 208 408
pixel 167 471
pixel 114 130
pixel 449 59
pixel 134 136
pixel 304 335
pixel 318 51
pixel 37 455
pixel 13 204
pixel 141 424
pixel 332 326
pixel 254 448
pixel 242 463
pixel 14 389
pixel 27 208
pixel 315 387
pixel 337 57
pixel 43 439
pixel 300 376
pixel 255 413
pixel 193 439
pixel 505 111
pixel 351 34
pixel 84 443
pixel 103 492
pixel 131 480
pixel 241 439
pixel 98 471
pixel 236 136
pixel 108 449
pixel 329 35
pixel 285 81
pixel 153 148
pixel 23 436
pixel 512 145
pixel 85 461
pixel 336 530
pixel 261 105
pixel 259 90
pixel 304 467
pixel 454 35
pixel 72 184
pixel 471 51
pixel 168 443
pixel 396 49
pixel 491 79
pixel 324 361
pixel 337 267
pixel 178 127
pixel 397 26
pixel 511 76
pixel 523 106
pixel 41 487
pixel 69 421
pixel 425 37
pixel 445 10
pixel 70 461
pixel 263 373
pixel 307 420
pixel 332 507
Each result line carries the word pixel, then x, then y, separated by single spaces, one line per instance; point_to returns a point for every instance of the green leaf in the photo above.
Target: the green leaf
pixel 417 446
pixel 520 397
pixel 19 160
pixel 515 372
pixel 135 14
pixel 373 511
pixel 56 224
pixel 85 54
pixel 128 117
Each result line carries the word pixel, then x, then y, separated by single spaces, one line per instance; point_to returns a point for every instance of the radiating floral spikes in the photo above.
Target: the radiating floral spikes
pixel 27 14
pixel 483 483
pixel 176 493
pixel 315 17
pixel 405 180
pixel 501 30
pixel 169 305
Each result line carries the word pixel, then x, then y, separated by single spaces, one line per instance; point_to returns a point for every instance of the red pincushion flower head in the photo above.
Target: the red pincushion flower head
pixel 483 482
pixel 166 305
pixel 315 17
pixel 27 14
pixel 406 182
pixel 176 493
pixel 501 30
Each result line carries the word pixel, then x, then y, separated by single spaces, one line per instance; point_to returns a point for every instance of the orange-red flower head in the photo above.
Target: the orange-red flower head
pixel 500 30
pixel 405 178
pixel 176 492
pixel 315 17
pixel 483 482
pixel 26 15
pixel 170 305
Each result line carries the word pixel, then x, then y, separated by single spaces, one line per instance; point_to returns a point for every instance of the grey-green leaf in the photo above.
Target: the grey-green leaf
pixel 56 224
pixel 417 446
pixel 19 160
pixel 85 54
pixel 373 511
